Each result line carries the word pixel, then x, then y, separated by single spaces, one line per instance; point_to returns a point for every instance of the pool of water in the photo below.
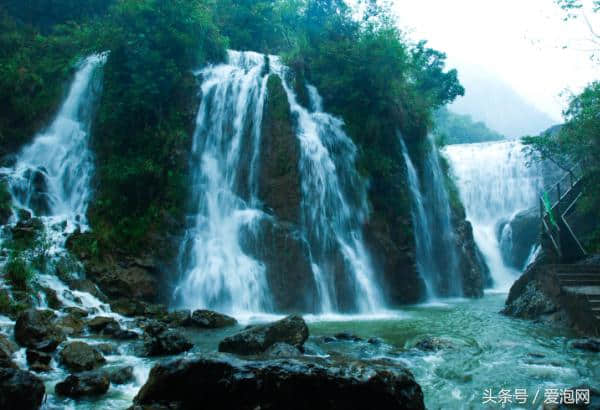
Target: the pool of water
pixel 490 351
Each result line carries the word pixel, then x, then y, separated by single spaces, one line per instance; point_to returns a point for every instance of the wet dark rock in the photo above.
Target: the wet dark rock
pixel 132 282
pixel 279 177
pixel 116 332
pixel 328 339
pixel 591 345
pixel 433 344
pixel 7 348
pixel 392 251
pixel 286 256
pixel 52 299
pixel 20 390
pixel 207 319
pixel 291 384
pixel 128 307
pixel 37 329
pixel 525 232
pixel 98 323
pixel 375 341
pixel 70 325
pixel 120 375
pixel 291 330
pixel 475 273
pixel 107 348
pixel 532 303
pixel 282 350
pixel 85 285
pixel 347 337
pixel 79 357
pixel 76 312
pixel 83 384
pixel 179 318
pixel 27 230
pixel 38 361
pixel 162 341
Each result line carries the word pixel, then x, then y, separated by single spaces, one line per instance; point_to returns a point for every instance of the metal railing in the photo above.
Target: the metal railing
pixel 556 203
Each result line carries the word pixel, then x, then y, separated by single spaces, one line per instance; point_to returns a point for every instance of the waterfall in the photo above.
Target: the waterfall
pixel 495 184
pixel 435 242
pixel 217 272
pixel 52 175
pixel 50 179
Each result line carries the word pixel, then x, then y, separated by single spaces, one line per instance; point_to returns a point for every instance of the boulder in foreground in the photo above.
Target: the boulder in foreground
pixel 20 390
pixel 221 381
pixel 257 339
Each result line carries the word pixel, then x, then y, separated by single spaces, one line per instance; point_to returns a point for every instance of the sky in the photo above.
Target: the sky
pixel 520 41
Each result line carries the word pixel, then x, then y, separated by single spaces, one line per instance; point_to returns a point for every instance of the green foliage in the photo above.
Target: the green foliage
pixel 578 141
pixel 143 123
pixel 33 71
pixel 47 13
pixel 451 128
pixel 18 272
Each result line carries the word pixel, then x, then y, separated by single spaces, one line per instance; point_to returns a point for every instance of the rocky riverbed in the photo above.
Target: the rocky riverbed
pixel 440 355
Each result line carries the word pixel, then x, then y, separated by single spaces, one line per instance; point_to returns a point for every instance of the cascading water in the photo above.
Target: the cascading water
pixel 495 183
pixel 51 177
pixel 217 272
pixel 435 242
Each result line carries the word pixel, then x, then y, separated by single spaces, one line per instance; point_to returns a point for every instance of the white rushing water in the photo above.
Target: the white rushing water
pixel 435 241
pixel 495 184
pixel 52 175
pixel 217 272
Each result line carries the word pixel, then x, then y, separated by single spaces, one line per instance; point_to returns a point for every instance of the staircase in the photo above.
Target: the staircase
pixel 580 292
pixel 556 204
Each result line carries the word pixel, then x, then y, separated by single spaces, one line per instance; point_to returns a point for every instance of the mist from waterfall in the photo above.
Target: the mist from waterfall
pixel 217 271
pixel 435 242
pixel 495 184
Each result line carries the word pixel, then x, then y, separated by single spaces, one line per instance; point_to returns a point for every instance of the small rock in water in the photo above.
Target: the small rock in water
pixel 291 330
pixel 591 345
pixel 348 337
pixel 161 341
pixel 83 384
pixel 206 319
pixel 120 375
pixel 52 299
pixel 38 361
pixel 433 344
pixel 20 390
pixel 79 356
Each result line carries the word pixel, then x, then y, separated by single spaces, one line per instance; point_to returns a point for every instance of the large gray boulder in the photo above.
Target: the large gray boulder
pixel 79 356
pixel 37 330
pixel 207 319
pixel 257 339
pixel 221 382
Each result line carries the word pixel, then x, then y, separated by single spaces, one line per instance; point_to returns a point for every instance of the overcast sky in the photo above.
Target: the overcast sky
pixel 520 41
